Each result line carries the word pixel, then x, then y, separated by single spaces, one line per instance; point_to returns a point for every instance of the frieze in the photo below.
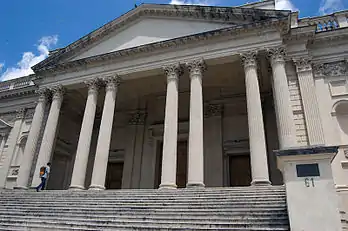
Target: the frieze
pixel 331 69
pixel 137 118
pixel 212 110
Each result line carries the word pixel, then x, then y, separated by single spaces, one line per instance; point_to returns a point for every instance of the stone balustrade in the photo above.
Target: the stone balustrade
pixel 17 83
pixel 327 22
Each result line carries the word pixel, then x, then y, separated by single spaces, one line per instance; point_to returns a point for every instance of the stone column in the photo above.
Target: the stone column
pixel 33 137
pixel 310 102
pixel 104 138
pixel 195 155
pixel 83 147
pixel 258 151
pixel 284 114
pixel 12 142
pixel 49 135
pixel 170 136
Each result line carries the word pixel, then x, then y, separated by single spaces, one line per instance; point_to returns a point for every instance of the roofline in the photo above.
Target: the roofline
pixel 167 44
pixel 153 10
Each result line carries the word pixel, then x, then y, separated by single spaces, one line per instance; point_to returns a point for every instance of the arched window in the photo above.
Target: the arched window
pixel 340 111
pixel 19 151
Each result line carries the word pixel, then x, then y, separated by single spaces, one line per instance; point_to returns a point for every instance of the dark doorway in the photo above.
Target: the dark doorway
pixel 240 171
pixel 181 166
pixel 114 176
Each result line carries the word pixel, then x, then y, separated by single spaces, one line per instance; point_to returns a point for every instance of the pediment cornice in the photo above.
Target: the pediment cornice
pixel 228 15
pixel 282 25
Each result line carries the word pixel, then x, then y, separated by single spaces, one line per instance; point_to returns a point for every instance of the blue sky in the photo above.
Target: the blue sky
pixel 30 28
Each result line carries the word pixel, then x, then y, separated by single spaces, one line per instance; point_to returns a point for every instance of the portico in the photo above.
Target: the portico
pixel 184 104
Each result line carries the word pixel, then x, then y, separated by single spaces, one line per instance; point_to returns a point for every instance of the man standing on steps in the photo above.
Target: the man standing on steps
pixel 44 173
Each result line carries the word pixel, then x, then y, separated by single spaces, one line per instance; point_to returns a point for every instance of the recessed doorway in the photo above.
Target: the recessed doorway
pixel 240 171
pixel 114 174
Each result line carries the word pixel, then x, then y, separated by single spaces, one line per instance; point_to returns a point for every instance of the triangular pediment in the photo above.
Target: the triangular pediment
pixel 149 30
pixel 153 23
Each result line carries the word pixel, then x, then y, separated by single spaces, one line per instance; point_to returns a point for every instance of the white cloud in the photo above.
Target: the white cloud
pixel 1 66
pixel 330 6
pixel 29 59
pixel 193 2
pixel 285 5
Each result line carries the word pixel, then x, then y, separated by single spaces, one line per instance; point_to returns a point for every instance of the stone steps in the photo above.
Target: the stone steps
pixel 249 208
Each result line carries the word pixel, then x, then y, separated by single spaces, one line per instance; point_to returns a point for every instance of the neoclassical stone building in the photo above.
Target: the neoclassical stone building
pixel 170 96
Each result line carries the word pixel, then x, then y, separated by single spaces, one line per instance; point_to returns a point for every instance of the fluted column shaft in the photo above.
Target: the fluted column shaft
pixel 49 135
pixel 104 138
pixel 310 102
pixel 31 145
pixel 83 147
pixel 195 154
pixel 258 151
pixel 170 137
pixel 284 114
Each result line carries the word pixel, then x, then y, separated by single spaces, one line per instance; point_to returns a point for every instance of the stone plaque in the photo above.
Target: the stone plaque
pixel 307 170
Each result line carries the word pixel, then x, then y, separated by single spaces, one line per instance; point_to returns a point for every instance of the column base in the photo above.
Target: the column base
pixel 20 188
pixel 76 187
pixel 195 185
pixel 168 186
pixel 261 183
pixel 96 187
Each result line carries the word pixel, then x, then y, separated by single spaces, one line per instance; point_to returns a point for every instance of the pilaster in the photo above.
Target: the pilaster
pixel 310 102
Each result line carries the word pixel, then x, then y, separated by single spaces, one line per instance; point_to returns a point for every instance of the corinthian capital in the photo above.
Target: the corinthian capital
pixel 303 64
pixel 20 113
pixel 173 72
pixel 276 54
pixel 57 92
pixel 196 66
pixel 112 82
pixel 43 94
pixel 93 85
pixel 249 59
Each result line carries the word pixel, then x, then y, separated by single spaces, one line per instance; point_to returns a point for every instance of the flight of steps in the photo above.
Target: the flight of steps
pixel 248 208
